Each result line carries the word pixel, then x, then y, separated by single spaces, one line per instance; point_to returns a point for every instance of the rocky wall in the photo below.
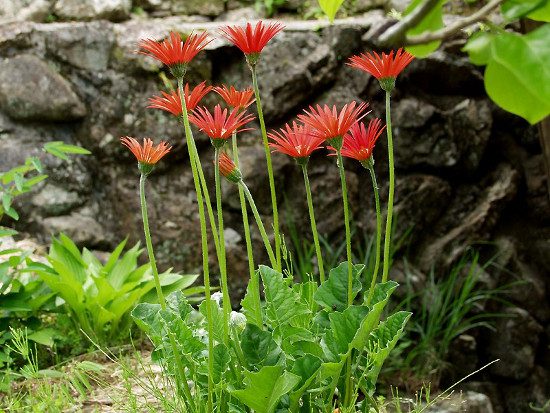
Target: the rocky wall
pixel 467 172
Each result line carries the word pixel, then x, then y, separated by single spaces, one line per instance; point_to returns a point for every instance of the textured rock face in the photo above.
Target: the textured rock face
pixel 467 172
pixel 114 10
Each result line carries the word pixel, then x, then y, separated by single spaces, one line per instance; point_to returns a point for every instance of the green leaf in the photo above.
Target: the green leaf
pixel 264 389
pixel 36 163
pixel 542 13
pixel 307 368
pixel 333 293
pixel 282 303
pixel 250 309
pixel 59 149
pixel 516 9
pixel 479 47
pixel 13 214
pixel 6 232
pixel 6 201
pixel 517 77
pixel 259 347
pixel 45 336
pixel 217 318
pixel 344 326
pixel 431 22
pixel 330 7
pixel 221 362
pixel 381 342
pixel 145 316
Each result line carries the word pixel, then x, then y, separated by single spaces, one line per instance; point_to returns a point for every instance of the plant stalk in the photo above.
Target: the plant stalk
pixel 378 232
pixel 313 225
pixel 387 235
pixel 269 169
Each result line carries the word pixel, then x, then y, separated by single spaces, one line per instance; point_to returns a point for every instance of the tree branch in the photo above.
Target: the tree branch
pixel 396 34
pixel 448 31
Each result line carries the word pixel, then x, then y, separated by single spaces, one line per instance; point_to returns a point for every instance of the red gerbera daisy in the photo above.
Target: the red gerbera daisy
pixel 330 125
pixel 220 126
pixel 359 141
pixel 385 68
pixel 146 154
pixel 171 102
pixel 297 141
pixel 251 40
pixel 228 168
pixel 174 52
pixel 238 99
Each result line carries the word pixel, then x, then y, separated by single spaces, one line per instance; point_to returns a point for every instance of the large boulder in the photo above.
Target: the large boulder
pixel 114 10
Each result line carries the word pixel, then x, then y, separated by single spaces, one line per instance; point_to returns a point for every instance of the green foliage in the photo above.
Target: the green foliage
pixel 270 6
pixel 431 22
pixel 330 7
pixel 294 360
pixel 97 296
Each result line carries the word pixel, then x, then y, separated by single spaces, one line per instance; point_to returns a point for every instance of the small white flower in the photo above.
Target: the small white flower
pixel 217 297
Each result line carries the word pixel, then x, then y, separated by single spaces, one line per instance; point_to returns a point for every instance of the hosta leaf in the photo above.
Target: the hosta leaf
pixel 282 303
pixel 259 347
pixel 264 389
pixel 333 293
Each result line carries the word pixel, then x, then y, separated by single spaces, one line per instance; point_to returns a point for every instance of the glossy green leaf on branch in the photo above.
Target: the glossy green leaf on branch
pixel 431 22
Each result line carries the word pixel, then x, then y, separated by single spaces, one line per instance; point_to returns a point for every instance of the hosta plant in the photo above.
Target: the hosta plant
pixel 99 296
pixel 307 346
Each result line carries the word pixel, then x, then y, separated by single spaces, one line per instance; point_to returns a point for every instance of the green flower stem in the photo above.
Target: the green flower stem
pixel 313 225
pixel 348 380
pixel 387 236
pixel 162 301
pixel 204 243
pixel 378 231
pixel 248 239
pixel 269 169
pixel 226 303
pixel 265 238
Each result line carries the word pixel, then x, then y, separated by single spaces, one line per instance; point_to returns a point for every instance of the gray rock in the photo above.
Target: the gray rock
pixel 469 401
pixel 54 200
pixel 25 10
pixel 514 342
pixel 240 15
pixel 115 10
pixel 535 391
pixel 31 89
pixel 82 229
pixel 201 7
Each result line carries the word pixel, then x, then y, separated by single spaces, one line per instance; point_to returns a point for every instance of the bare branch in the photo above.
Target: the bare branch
pixel 396 34
pixel 450 30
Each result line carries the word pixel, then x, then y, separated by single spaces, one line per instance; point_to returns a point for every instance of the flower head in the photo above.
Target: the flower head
pixel 360 140
pixel 238 99
pixel 171 102
pixel 330 125
pixel 220 126
pixel 385 68
pixel 228 168
pixel 297 141
pixel 251 39
pixel 174 52
pixel 146 154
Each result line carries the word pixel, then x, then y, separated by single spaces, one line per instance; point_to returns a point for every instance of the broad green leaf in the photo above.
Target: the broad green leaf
pixel 249 305
pixel 124 267
pixel 13 214
pixel 431 22
pixel 542 13
pixel 259 347
pixel 188 344
pixel 344 326
pixel 282 303
pixel 44 336
pixel 178 303
pixel 221 362
pixel 333 293
pixel 330 7
pixel 381 342
pixel 478 47
pixel 264 389
pixel 145 316
pixel 113 258
pixel 307 368
pixel 217 318
pixel 515 9
pixel 517 77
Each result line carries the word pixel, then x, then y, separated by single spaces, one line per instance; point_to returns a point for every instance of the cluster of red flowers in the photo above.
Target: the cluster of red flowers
pixel 342 130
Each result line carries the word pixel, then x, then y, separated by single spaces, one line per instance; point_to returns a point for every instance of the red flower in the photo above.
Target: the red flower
pixel 222 125
pixel 298 141
pixel 228 168
pixel 146 153
pixel 251 40
pixel 386 67
pixel 330 125
pixel 174 52
pixel 359 141
pixel 171 102
pixel 239 99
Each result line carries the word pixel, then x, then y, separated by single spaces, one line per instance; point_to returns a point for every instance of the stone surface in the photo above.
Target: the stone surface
pixel 514 342
pixel 31 89
pixel 54 200
pixel 204 8
pixel 82 229
pixel 115 10
pixel 25 10
pixel 469 401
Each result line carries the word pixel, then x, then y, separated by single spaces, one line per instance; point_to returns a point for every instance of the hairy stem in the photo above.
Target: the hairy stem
pixel 269 170
pixel 313 225
pixel 387 235
pixel 378 232
pixel 261 227
pixel 226 303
